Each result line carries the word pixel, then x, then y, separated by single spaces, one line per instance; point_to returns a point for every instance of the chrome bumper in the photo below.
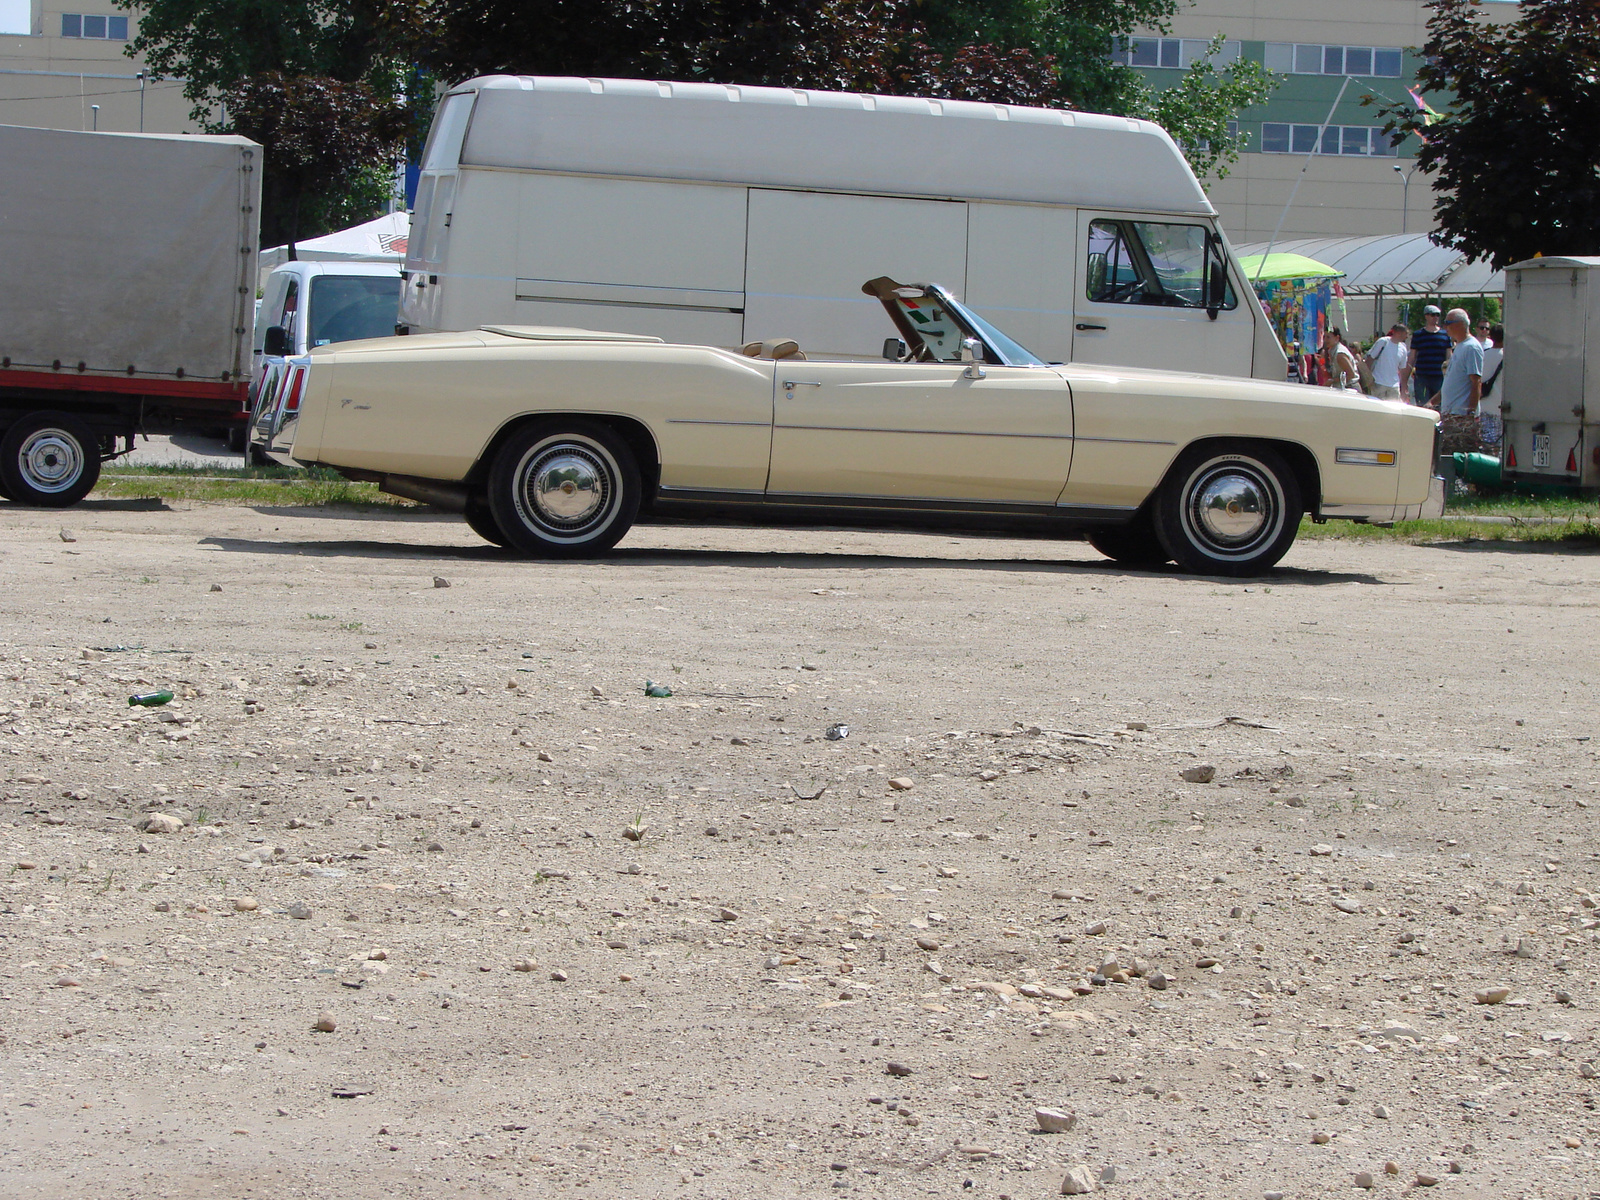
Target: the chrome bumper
pixel 1388 514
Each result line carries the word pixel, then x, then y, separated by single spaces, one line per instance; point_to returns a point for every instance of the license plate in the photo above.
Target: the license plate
pixel 1541 449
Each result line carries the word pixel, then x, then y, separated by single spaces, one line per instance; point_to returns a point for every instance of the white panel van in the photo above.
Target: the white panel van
pixel 722 215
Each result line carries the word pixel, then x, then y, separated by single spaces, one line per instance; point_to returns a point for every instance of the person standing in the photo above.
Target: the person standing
pixel 1341 364
pixel 1430 345
pixel 1489 401
pixel 1387 359
pixel 1463 384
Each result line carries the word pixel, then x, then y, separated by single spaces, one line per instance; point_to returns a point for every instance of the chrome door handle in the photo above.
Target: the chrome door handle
pixel 1083 325
pixel 791 384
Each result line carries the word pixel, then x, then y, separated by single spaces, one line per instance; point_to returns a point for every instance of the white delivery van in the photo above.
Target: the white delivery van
pixel 1552 305
pixel 721 215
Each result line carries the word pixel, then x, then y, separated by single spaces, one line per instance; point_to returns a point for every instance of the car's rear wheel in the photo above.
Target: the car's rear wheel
pixel 564 489
pixel 1134 544
pixel 481 521
pixel 49 460
pixel 1225 511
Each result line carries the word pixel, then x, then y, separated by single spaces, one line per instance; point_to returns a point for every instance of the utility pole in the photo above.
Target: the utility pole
pixel 1405 193
pixel 95 109
pixel 140 78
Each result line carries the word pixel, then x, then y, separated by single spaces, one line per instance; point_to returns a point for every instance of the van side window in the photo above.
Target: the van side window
pixel 291 306
pixel 1153 262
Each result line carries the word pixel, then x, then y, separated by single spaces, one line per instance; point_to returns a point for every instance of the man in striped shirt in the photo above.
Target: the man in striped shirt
pixel 1430 346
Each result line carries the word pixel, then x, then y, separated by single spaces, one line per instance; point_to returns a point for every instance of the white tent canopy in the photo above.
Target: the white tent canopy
pixel 1405 264
pixel 380 241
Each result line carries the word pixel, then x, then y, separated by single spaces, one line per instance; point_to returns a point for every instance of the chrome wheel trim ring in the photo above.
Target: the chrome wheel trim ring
pixel 1232 507
pixel 566 488
pixel 50 461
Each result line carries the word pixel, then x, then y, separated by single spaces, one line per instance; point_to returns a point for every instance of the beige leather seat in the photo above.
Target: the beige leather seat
pixel 778 348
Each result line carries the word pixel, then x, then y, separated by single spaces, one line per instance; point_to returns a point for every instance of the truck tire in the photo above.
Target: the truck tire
pixel 49 460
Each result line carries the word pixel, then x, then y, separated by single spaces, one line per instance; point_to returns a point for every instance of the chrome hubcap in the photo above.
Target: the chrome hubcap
pixel 1232 508
pixel 568 489
pixel 51 461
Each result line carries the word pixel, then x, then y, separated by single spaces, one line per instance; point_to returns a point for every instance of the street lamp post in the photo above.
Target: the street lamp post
pixel 140 77
pixel 1405 193
pixel 95 109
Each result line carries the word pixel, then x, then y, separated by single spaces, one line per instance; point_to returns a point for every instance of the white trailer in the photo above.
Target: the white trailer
pixel 1552 368
pixel 130 264
pixel 722 215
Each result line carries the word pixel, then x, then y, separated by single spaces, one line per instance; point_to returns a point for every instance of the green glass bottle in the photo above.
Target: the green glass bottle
pixel 150 699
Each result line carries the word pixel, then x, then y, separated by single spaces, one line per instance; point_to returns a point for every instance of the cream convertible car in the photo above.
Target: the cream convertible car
pixel 553 441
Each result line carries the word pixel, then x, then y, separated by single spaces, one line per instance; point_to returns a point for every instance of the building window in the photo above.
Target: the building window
pixel 1171 52
pixel 1363 141
pixel 1304 59
pixel 88 25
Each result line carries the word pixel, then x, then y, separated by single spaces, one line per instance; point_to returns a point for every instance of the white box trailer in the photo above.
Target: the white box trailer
pixel 721 215
pixel 130 279
pixel 1552 368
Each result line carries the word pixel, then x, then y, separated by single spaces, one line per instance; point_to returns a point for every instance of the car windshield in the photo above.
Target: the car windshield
pixel 941 322
pixel 351 308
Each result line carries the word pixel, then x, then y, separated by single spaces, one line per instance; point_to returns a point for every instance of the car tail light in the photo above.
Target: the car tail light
pixel 292 404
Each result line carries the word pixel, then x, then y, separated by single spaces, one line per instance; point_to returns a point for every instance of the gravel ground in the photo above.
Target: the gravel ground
pixel 568 939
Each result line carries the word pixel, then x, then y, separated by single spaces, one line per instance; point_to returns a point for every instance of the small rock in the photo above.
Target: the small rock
pixel 1095 928
pixel 163 906
pixel 1199 773
pixel 68 981
pixel 299 912
pixel 895 1068
pixel 1364 1179
pixel 1391 1168
pixel 67 535
pixel 245 904
pixel 900 784
pixel 1381 1112
pixel 1321 850
pixel 1346 905
pixel 1494 995
pixel 1527 948
pixel 634 833
pixel 439 581
pixel 928 944
pixel 161 823
pixel 1587 1070
pixel 525 964
pixel 26 864
pixel 711 831
pixel 836 733
pixel 1055 1120
pixel 545 756
pixel 1426 1180
pixel 1321 1139
pixel 1109 1175
pixel 1524 888
pixel 1159 980
pixel 435 848
pixel 216 587
pixel 946 872
pixel 325 1022
pixel 727 914
pixel 1271 1196
pixel 1078 1182
pixel 558 976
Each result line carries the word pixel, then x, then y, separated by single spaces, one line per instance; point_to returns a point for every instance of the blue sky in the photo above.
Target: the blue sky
pixel 15 16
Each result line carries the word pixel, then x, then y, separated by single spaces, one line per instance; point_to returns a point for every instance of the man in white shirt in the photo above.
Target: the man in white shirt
pixel 1387 361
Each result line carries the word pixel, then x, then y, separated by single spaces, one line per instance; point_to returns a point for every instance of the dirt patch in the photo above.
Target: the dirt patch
pixel 571 937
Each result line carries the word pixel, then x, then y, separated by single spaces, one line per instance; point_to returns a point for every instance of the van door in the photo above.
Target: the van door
pixel 808 254
pixel 1159 291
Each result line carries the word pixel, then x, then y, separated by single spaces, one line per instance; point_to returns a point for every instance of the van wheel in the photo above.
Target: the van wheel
pixel 1134 544
pixel 564 489
pixel 481 521
pixel 49 460
pixel 1228 512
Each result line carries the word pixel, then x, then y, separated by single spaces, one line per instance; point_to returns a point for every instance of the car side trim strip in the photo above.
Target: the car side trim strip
pixel 1054 437
pixel 1126 441
pixel 901 503
pixel 689 421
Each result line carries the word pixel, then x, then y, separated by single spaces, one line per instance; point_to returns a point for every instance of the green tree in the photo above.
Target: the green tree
pixel 1197 109
pixel 1515 153
pixel 321 84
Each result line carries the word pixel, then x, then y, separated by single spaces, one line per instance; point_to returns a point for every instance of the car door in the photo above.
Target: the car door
pixel 1144 301
pixel 919 432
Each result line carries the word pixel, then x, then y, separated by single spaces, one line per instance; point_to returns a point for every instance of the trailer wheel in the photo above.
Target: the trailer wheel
pixel 49 460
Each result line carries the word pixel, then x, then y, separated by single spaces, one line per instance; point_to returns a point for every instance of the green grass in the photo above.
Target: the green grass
pixel 276 486
pixel 1511 518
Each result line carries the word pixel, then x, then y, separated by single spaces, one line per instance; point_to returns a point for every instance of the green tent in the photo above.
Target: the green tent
pixel 1286 266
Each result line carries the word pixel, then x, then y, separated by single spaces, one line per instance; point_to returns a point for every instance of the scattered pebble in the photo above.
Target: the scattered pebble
pixel 1494 995
pixel 325 1022
pixel 1321 850
pixel 1364 1179
pixel 1055 1120
pixel 245 904
pixel 439 581
pixel 299 912
pixel 558 976
pixel 1079 1182
pixel 896 1068
pixel 900 784
pixel 1199 773
pixel 159 822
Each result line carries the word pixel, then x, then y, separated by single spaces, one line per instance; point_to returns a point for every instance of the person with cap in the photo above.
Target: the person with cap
pixel 1387 359
pixel 1462 390
pixel 1430 346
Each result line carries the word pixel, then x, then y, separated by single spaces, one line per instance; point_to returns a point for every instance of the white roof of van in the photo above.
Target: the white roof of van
pixel 830 141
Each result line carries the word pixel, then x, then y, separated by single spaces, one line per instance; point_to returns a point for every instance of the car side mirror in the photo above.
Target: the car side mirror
pixel 276 342
pixel 972 355
pixel 894 350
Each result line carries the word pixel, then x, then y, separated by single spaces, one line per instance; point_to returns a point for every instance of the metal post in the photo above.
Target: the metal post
pixel 95 109
pixel 140 77
pixel 1322 132
pixel 1405 193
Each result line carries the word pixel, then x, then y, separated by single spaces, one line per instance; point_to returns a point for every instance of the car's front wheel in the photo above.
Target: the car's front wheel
pixel 564 489
pixel 1227 511
pixel 49 460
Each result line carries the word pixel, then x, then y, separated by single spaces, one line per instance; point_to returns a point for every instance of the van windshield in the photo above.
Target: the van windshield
pixel 351 308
